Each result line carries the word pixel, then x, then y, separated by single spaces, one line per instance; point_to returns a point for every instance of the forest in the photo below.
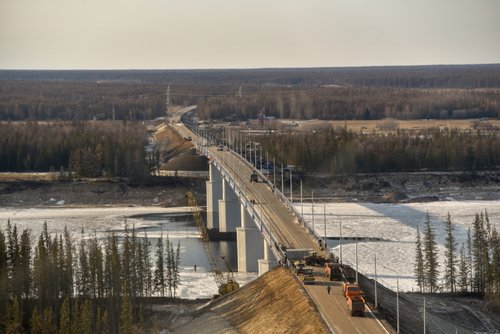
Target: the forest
pixel 411 92
pixel 343 151
pixel 54 284
pixel 86 149
pixel 473 266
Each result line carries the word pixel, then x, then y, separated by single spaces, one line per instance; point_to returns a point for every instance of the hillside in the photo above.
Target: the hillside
pixel 273 303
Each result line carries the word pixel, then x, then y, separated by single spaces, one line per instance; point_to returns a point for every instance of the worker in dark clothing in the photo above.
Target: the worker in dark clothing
pixel 328 288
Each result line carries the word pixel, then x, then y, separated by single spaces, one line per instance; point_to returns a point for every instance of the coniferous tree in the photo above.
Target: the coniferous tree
pixel 4 280
pixel 431 265
pixel 14 321
pixel 169 277
pixel 463 271
pixel 419 263
pixel 86 320
pixel 126 319
pixel 159 276
pixel 450 256
pixel 176 273
pixel 479 248
pixel 65 318
pixel 469 260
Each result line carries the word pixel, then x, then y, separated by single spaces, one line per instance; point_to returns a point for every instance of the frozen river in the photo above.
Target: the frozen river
pixel 391 227
pixel 176 222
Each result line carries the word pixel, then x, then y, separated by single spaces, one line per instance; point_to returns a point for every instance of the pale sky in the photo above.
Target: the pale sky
pixel 184 34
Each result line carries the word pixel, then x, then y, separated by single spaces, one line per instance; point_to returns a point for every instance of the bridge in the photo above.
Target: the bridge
pixel 266 224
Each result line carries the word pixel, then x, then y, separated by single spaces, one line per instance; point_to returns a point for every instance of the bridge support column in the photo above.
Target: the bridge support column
pixel 250 244
pixel 229 209
pixel 269 261
pixel 214 194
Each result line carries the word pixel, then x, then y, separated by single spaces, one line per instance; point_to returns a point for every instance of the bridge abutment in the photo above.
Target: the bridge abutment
pixel 268 262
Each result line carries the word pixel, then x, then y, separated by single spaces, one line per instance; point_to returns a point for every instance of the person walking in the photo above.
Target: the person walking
pixel 328 288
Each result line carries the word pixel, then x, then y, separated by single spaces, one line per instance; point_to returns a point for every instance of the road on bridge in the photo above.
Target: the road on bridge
pixel 289 232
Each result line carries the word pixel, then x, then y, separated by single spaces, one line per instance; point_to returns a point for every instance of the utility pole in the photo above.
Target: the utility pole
pixel 312 207
pixel 291 187
pixel 168 100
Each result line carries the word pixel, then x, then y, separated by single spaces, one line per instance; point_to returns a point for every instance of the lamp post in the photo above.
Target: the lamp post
pixel 291 187
pixel 397 295
pixel 340 243
pixel 375 256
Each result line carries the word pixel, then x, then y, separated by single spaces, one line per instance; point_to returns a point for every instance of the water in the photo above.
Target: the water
pixel 176 223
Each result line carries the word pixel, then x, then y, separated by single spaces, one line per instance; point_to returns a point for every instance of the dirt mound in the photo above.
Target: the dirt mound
pixel 273 303
pixel 187 162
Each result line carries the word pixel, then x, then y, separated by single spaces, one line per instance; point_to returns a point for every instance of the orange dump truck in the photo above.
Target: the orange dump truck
pixel 355 302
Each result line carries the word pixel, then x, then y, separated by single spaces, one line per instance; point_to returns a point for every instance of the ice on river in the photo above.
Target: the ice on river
pixel 390 232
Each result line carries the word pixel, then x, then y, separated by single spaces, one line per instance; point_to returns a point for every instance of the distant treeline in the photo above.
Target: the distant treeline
pixel 338 103
pixel 51 284
pixel 414 92
pixel 434 76
pixel 87 149
pixel 400 151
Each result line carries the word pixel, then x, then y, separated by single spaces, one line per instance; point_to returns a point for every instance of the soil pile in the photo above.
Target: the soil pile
pixel 273 303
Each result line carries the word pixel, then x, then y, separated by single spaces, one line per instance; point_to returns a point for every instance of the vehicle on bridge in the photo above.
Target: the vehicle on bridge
pixel 220 148
pixel 188 138
pixel 333 271
pixel 314 259
pixel 298 267
pixel 254 177
pixel 354 300
pixel 308 276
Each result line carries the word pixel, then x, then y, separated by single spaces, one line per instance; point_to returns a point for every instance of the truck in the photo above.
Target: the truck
pixel 314 259
pixel 356 305
pixel 354 300
pixel 254 177
pixel 293 254
pixel 333 271
pixel 298 267
pixel 308 276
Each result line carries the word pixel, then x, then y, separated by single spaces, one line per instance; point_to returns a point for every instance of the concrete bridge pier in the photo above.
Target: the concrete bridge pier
pixel 250 244
pixel 229 209
pixel 269 261
pixel 214 194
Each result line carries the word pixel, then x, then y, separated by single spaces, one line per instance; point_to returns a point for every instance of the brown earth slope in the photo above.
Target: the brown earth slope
pixel 273 303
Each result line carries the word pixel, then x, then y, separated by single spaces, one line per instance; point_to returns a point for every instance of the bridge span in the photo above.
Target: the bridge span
pixel 266 223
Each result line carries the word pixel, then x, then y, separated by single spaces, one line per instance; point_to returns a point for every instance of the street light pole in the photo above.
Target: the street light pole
pixel 356 259
pixel 312 208
pixel 397 296
pixel 301 200
pixel 340 242
pixel 291 187
pixel 282 179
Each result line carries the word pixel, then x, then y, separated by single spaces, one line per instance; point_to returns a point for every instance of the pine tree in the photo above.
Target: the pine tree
pixel 126 320
pixel 14 321
pixel 450 256
pixel 86 318
pixel 176 273
pixel 463 271
pixel 419 263
pixel 479 248
pixel 159 276
pixel 469 260
pixel 431 265
pixel 4 280
pixel 65 317
pixel 169 277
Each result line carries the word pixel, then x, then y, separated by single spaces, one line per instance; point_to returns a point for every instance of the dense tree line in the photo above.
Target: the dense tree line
pixel 472 267
pixel 56 285
pixel 85 148
pixel 458 76
pixel 362 103
pixel 400 151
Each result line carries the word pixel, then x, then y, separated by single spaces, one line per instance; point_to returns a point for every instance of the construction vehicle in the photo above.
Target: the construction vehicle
pixel 356 305
pixel 298 267
pixel 225 285
pixel 350 289
pixel 308 276
pixel 354 300
pixel 293 254
pixel 333 271
pixel 314 259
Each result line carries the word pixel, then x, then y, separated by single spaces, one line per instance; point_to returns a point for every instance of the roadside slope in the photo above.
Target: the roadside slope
pixel 273 303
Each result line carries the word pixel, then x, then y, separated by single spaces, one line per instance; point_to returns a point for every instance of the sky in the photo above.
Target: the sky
pixel 193 34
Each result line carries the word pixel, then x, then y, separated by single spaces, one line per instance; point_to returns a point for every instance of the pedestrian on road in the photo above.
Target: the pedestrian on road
pixel 195 268
pixel 328 288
